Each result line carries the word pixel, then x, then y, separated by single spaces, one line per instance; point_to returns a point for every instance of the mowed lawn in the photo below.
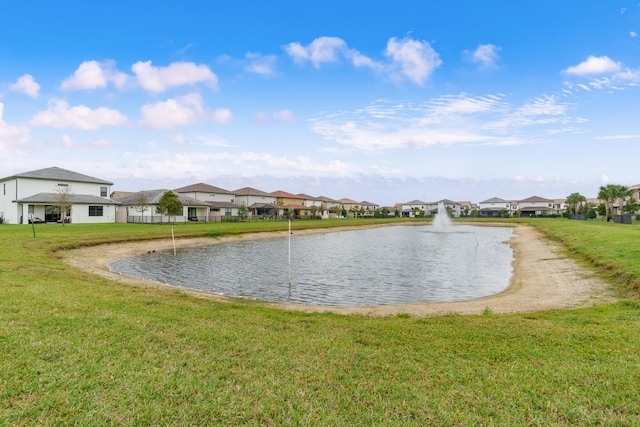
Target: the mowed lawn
pixel 76 349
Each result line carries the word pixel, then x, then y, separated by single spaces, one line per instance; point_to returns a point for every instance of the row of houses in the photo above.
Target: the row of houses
pixel 35 197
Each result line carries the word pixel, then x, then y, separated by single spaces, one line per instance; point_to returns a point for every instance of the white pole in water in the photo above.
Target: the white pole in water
pixel 173 239
pixel 289 255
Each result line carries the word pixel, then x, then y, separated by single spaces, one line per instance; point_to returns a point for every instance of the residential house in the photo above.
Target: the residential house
pixel 493 207
pixel 352 207
pixel 259 203
pixel 332 208
pixel 453 207
pixel 467 207
pixel 369 208
pixel 221 202
pixel 535 206
pixel 317 206
pixel 414 208
pixel 141 207
pixel 559 206
pixel 36 196
pixel 292 205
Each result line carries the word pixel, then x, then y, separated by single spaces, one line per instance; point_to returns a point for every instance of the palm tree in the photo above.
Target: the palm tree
pixel 610 193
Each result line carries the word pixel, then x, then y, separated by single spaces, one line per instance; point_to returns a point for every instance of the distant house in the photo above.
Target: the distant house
pixel 34 197
pixel 493 206
pixel 258 202
pixel 332 208
pixel 141 207
pixel 351 206
pixel 414 208
pixel 291 205
pixel 453 207
pixel 535 206
pixel 221 202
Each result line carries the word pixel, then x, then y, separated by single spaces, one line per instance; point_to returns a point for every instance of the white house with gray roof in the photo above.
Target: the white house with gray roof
pixel 493 206
pixel 35 196
pixel 141 207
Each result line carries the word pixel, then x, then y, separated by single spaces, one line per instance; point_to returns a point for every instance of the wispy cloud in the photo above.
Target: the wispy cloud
pixel 485 56
pixel 12 138
pixel 256 63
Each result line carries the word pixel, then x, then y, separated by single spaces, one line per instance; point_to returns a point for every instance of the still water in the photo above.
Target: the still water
pixel 388 265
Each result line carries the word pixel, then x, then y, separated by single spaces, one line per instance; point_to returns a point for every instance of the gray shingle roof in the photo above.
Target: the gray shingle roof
pixel 202 188
pixel 76 199
pixel 59 174
pixel 152 197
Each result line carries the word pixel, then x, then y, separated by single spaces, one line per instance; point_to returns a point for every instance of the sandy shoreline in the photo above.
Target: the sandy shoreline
pixel 543 277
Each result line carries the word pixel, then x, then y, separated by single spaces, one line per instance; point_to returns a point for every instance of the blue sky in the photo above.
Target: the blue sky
pixel 370 100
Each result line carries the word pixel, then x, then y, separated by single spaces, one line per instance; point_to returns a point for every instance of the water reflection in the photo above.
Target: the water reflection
pixel 389 265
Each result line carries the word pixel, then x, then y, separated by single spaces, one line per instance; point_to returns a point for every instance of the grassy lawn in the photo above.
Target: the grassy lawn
pixel 77 349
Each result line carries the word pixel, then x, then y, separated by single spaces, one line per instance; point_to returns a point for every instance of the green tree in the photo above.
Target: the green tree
pixel 575 202
pixel 243 212
pixel 169 205
pixel 631 206
pixel 63 199
pixel 611 193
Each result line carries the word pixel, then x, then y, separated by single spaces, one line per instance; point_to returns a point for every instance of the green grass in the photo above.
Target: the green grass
pixel 76 349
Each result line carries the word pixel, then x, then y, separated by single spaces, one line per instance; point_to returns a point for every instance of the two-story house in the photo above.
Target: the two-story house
pixel 37 196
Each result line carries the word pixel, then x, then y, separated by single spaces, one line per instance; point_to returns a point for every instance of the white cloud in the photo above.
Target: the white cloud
pixel 95 75
pixel 26 84
pixel 180 111
pixel 284 115
pixel 322 49
pixel 414 60
pixel 12 138
pixel 328 49
pixel 222 115
pixel 604 179
pixel 618 137
pixel 486 55
pixel 260 64
pixel 159 79
pixel 67 142
pixel 59 115
pixel 594 65
pixel 633 34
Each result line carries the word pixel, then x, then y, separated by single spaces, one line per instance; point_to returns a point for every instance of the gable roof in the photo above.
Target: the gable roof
pixel 495 200
pixel 59 174
pixel 348 201
pixel 153 197
pixel 284 194
pixel 248 191
pixel 534 199
pixel 201 187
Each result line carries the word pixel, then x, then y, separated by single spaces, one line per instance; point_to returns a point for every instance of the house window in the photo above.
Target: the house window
pixel 227 212
pixel 32 209
pixel 96 210
pixel 103 191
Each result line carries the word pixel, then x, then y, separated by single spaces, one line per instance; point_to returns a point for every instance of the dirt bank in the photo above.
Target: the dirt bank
pixel 543 277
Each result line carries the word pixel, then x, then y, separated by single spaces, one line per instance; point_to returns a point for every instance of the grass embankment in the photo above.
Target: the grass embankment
pixel 79 349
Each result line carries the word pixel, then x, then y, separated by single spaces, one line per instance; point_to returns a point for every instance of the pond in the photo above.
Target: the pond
pixel 387 265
